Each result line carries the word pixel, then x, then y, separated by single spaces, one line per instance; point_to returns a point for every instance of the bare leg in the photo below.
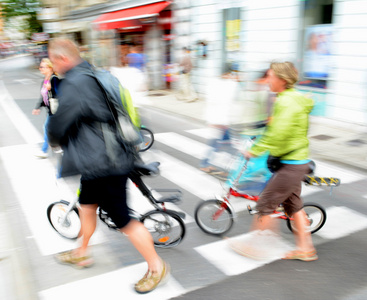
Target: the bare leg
pixel 263 223
pixel 303 238
pixel 88 219
pixel 140 237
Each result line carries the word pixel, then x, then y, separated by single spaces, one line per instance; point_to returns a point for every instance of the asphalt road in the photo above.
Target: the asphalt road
pixel 202 266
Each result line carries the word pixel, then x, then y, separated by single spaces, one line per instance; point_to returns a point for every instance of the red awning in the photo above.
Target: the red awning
pixel 128 18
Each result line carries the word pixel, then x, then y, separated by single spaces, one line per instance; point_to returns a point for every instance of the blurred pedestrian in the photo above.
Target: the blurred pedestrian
pixel 77 127
pixel 285 137
pixel 135 81
pixel 49 89
pixel 186 91
pixel 264 98
pixel 135 59
pixel 220 95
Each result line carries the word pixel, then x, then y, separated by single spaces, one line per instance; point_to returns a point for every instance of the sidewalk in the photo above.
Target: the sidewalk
pixel 330 140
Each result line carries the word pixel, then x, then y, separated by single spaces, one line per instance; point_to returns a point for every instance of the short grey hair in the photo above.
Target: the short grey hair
pixel 64 47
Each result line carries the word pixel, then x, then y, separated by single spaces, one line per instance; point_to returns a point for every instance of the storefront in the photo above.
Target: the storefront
pixel 141 29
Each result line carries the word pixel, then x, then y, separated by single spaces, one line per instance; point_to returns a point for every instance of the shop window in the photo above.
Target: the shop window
pixel 231 39
pixel 317 42
pixel 327 13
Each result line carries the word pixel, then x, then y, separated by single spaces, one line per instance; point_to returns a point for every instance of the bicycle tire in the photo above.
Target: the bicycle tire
pixel 148 139
pixel 316 214
pixel 72 225
pixel 204 217
pixel 166 227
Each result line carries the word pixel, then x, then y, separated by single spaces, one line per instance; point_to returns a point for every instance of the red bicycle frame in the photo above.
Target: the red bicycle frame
pixel 235 193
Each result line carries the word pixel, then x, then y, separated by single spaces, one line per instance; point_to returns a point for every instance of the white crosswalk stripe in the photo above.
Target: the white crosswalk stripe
pixel 230 263
pixel 34 183
pixel 116 284
pixel 342 221
pixel 193 148
pixel 24 126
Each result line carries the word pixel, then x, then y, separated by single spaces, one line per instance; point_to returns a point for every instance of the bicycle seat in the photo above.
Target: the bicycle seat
pixel 147 169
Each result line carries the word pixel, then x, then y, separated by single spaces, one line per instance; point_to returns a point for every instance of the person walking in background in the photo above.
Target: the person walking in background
pixel 221 93
pixel 49 89
pixel 186 91
pixel 135 59
pixel 78 126
pixel 284 137
pixel 264 98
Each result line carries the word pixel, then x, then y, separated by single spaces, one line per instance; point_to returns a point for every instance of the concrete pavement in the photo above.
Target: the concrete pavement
pixel 330 140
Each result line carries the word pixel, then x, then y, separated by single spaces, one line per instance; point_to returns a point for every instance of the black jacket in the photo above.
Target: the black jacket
pixel 55 82
pixel 79 127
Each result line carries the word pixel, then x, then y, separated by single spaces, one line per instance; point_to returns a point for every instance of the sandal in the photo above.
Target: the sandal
pixel 208 170
pixel 249 252
pixel 302 255
pixel 220 175
pixel 151 280
pixel 68 258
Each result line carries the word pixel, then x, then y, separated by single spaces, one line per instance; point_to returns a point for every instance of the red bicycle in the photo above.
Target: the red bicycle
pixel 216 216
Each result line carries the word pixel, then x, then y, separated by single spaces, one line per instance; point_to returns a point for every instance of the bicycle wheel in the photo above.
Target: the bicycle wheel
pixel 71 226
pixel 212 218
pixel 147 137
pixel 316 218
pixel 166 227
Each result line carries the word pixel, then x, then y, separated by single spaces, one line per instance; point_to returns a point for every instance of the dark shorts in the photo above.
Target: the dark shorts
pixel 284 187
pixel 110 195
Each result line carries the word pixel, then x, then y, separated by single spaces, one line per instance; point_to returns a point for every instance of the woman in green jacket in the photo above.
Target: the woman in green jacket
pixel 285 137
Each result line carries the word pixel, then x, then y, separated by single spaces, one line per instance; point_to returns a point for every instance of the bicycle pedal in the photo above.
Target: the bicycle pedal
pixel 280 209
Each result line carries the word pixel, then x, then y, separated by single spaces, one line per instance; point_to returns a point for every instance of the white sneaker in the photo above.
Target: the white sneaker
pixel 41 154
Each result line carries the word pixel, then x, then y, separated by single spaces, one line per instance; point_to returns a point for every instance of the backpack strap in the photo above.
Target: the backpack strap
pixel 128 106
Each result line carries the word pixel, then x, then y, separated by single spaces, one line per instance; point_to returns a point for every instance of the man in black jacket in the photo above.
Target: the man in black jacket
pixel 77 128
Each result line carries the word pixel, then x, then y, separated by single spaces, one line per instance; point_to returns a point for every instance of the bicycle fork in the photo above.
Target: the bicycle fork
pixel 63 219
pixel 224 204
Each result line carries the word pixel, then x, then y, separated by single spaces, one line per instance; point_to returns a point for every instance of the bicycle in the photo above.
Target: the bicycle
pixel 166 226
pixel 147 138
pixel 216 216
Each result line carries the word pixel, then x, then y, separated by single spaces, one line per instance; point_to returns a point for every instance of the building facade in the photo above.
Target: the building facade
pixel 106 30
pixel 325 39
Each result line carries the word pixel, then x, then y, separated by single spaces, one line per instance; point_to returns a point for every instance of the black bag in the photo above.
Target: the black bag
pixel 274 163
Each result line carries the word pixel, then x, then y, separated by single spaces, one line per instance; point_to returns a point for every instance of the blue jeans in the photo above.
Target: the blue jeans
pixel 45 143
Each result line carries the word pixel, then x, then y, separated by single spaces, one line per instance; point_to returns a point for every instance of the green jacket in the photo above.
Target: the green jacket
pixel 287 130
